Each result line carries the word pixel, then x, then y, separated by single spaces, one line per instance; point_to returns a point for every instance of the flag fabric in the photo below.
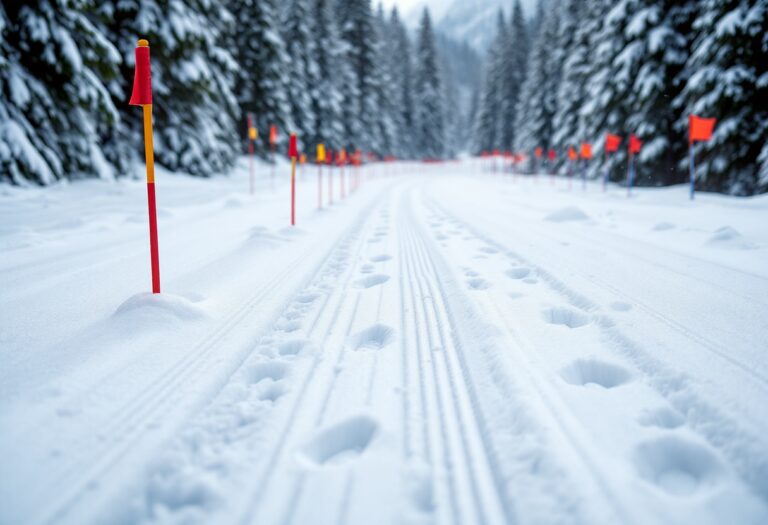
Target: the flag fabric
pixel 635 144
pixel 551 155
pixel 320 153
pixel 293 150
pixel 612 143
pixel 586 151
pixel 273 135
pixel 700 129
pixel 572 155
pixel 539 152
pixel 142 77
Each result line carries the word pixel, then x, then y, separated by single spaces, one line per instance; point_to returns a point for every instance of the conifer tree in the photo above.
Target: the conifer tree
pixel 262 80
pixel 402 79
pixel 513 64
pixel 727 78
pixel 303 73
pixel 329 57
pixel 430 121
pixel 53 101
pixel 487 121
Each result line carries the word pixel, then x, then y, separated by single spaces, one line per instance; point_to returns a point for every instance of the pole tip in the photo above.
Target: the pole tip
pixel 143 43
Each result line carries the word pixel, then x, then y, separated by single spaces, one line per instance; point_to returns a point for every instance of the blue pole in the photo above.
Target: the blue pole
pixel 693 171
pixel 584 175
pixel 630 175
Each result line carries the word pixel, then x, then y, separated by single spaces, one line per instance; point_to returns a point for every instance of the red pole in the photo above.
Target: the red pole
pixel 293 191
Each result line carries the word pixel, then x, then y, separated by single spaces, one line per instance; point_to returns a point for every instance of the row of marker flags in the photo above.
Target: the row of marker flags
pixel 699 130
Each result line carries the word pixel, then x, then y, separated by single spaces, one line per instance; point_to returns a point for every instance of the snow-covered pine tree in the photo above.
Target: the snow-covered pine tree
pixel 728 80
pixel 656 51
pixel 537 104
pixel 385 88
pixel 428 101
pixel 402 79
pixel 605 110
pixel 486 136
pixel 513 67
pixel 262 81
pixel 303 71
pixel 327 98
pixel 564 58
pixel 53 102
pixel 581 20
pixel 358 30
pixel 193 74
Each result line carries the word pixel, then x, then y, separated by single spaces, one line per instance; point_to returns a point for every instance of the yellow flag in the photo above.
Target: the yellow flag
pixel 321 153
pixel 253 133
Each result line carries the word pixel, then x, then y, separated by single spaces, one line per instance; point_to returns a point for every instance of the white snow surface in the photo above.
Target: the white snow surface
pixel 442 346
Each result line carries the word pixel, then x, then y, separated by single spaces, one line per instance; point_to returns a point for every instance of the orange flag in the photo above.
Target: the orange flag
pixel 273 135
pixel 572 155
pixel 539 152
pixel 586 151
pixel 700 129
pixel 612 143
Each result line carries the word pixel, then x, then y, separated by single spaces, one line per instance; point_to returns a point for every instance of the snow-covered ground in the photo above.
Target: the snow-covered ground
pixel 442 346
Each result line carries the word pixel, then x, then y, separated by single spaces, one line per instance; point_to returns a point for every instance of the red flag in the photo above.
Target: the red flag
pixel 496 153
pixel 572 155
pixel 273 135
pixel 700 129
pixel 634 144
pixel 586 151
pixel 142 77
pixel 293 150
pixel 551 155
pixel 539 152
pixel 329 157
pixel 612 143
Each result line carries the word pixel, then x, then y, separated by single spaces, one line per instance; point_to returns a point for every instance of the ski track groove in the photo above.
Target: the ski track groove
pixel 455 376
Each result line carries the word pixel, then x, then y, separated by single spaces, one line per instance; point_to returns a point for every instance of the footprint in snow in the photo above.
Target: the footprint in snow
pixel 374 337
pixel 478 284
pixel 274 370
pixel 565 317
pixel 678 466
pixel 340 442
pixel 663 417
pixel 371 281
pixel 381 258
pixel 588 372
pixel 518 273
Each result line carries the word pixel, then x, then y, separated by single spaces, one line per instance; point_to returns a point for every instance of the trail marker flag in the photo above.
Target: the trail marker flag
pixel 635 144
pixel 293 153
pixel 142 96
pixel 572 155
pixel 586 151
pixel 320 153
pixel 539 152
pixel 552 155
pixel 273 135
pixel 699 130
pixel 612 143
pixel 252 136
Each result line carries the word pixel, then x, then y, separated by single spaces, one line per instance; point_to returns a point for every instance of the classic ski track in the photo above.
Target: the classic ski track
pixel 279 450
pixel 618 338
pixel 451 374
pixel 128 422
pixel 715 349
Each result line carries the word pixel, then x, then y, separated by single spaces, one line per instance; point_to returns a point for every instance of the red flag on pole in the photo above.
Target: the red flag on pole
pixel 293 150
pixel 273 135
pixel 586 151
pixel 539 152
pixel 572 155
pixel 142 77
pixel 551 155
pixel 700 129
pixel 612 143
pixel 635 144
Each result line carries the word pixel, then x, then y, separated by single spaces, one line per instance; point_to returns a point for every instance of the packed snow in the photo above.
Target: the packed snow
pixel 444 345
